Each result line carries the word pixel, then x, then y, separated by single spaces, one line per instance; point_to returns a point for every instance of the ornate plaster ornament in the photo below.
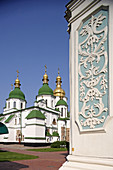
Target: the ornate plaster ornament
pixel 93 71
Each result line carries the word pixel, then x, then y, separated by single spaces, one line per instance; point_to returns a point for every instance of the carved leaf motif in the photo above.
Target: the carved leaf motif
pixel 93 82
pixel 92 122
pixel 99 20
pixel 84 31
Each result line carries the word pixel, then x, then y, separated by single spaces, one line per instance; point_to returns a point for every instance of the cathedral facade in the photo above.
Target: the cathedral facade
pixel 45 122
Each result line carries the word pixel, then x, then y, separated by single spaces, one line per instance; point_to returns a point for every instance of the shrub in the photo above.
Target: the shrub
pixel 58 144
pixel 55 134
pixel 57 109
pixel 48 134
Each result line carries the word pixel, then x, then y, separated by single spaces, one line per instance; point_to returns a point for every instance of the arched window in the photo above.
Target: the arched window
pixel 19 121
pixel 15 121
pixel 14 104
pixel 65 113
pixel 46 102
pixel 61 111
pixel 52 103
pixel 54 122
pixel 8 105
pixel 21 105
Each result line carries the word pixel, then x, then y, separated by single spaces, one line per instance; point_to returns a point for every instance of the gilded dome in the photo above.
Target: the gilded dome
pixel 58 91
pixel 45 78
pixel 17 81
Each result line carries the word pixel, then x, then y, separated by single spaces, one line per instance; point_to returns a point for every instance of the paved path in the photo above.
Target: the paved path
pixel 46 160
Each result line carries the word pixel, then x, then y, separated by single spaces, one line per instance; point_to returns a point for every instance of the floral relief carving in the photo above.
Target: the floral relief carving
pixel 93 61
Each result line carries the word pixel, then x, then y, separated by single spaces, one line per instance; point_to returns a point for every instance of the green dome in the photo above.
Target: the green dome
pixel 61 102
pixel 3 129
pixel 35 114
pixel 45 89
pixel 17 93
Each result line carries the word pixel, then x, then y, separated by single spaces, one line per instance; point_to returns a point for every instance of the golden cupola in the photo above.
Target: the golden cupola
pixel 17 81
pixel 59 91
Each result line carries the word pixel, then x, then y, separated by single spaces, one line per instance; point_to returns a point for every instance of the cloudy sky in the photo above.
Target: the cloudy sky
pixel 32 34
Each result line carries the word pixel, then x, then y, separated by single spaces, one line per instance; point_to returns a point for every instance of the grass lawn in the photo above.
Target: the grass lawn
pixel 13 156
pixel 48 149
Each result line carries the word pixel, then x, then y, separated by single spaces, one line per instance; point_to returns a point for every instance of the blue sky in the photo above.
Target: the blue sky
pixel 32 34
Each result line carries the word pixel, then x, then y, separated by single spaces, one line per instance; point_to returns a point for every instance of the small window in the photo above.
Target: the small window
pixel 14 104
pixel 19 121
pixel 65 113
pixel 8 105
pixel 15 121
pixel 46 102
pixel 54 122
pixel 61 111
pixel 52 103
pixel 21 105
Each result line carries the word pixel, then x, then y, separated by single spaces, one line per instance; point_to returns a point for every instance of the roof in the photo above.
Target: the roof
pixel 1 118
pixel 63 119
pixel 45 89
pixel 9 118
pixel 3 129
pixel 35 114
pixel 48 109
pixel 61 102
pixel 17 93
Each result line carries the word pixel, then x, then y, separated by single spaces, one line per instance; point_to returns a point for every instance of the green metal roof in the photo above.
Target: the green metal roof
pixel 66 118
pixel 61 102
pixel 3 129
pixel 35 114
pixel 45 89
pixel 9 118
pixel 17 93
pixel 1 118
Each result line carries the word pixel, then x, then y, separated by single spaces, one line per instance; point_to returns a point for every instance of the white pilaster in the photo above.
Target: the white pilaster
pixel 90 147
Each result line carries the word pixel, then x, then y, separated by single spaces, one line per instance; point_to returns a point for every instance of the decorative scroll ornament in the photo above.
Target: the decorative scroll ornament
pixel 93 62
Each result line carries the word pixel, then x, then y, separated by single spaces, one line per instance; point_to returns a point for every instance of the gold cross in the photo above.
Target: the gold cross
pixel 11 87
pixel 17 73
pixel 58 71
pixel 45 68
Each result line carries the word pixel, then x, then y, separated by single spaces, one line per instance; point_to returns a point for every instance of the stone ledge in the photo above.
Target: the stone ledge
pixel 87 163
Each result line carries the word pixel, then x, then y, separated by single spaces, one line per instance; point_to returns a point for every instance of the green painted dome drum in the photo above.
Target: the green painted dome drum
pixel 45 89
pixel 61 102
pixel 17 93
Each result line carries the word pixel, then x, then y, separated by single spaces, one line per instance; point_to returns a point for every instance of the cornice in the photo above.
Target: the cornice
pixel 72 6
pixel 84 10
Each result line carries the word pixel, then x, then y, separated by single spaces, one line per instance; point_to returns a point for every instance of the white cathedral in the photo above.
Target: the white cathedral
pixel 45 122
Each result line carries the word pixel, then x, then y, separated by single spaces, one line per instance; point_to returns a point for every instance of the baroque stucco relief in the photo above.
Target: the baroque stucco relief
pixel 93 71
